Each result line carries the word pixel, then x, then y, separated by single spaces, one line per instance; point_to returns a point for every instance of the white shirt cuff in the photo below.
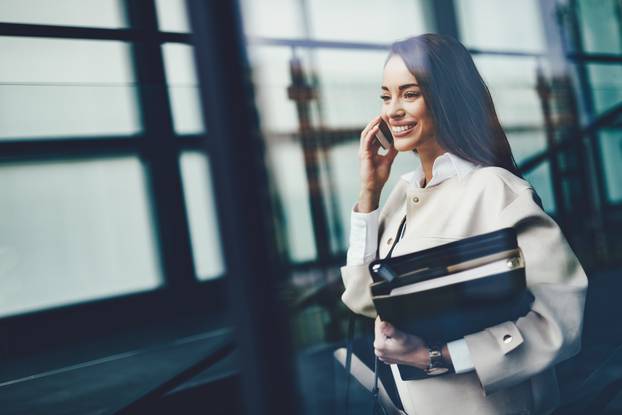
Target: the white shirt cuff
pixel 363 241
pixel 460 356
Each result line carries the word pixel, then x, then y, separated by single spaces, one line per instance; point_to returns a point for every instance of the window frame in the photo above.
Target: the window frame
pixel 159 148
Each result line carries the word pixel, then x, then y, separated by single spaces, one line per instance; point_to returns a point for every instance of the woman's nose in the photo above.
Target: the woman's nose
pixel 395 110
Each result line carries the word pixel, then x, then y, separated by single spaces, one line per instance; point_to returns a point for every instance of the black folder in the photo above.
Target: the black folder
pixel 443 293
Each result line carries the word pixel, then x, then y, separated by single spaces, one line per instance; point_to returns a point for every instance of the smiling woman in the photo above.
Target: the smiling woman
pixel 437 105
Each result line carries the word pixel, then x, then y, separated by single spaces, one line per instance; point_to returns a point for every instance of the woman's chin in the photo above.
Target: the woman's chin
pixel 405 144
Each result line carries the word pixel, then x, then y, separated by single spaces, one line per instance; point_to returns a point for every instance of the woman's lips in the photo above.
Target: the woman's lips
pixel 403 133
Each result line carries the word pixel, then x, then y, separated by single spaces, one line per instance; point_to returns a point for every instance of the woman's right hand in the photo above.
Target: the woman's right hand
pixel 375 168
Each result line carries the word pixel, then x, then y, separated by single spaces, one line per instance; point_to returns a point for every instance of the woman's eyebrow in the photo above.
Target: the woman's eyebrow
pixel 401 87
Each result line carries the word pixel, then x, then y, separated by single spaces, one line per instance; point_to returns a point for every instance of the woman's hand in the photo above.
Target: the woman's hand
pixel 375 168
pixel 394 346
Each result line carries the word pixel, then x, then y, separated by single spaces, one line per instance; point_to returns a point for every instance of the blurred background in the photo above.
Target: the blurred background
pixel 119 251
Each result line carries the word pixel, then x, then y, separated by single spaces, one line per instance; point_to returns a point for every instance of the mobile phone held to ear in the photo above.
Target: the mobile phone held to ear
pixel 384 136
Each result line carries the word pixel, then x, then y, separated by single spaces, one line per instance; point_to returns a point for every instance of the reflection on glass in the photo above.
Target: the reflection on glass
pixel 271 77
pixel 172 16
pixel 183 88
pixel 72 231
pixel 525 145
pixel 512 84
pixel 287 164
pixel 66 88
pixel 199 197
pixel 600 25
pixel 350 86
pixel 92 13
pixel 611 152
pixel 501 25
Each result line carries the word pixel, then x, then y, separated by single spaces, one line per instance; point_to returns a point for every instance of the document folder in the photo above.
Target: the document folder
pixel 443 293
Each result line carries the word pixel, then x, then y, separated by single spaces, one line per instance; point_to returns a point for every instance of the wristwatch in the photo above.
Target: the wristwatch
pixel 437 365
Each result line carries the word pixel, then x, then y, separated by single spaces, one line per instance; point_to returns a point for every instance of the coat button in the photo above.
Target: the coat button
pixel 415 199
pixel 389 241
pixel 507 339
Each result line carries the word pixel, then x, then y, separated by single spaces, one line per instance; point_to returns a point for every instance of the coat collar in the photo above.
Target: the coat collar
pixel 445 167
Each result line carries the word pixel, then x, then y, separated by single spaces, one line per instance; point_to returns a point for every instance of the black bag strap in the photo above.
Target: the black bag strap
pixel 398 236
pixel 351 320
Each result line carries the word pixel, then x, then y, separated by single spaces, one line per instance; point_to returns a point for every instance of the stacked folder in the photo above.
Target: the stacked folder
pixel 443 293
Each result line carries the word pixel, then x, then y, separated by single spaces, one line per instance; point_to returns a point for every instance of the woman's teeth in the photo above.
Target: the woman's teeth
pixel 402 128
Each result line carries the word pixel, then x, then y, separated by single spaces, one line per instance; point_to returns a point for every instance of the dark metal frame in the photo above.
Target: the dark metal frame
pixel 245 210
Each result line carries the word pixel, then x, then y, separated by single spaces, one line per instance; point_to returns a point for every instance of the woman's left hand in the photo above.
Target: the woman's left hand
pixel 394 346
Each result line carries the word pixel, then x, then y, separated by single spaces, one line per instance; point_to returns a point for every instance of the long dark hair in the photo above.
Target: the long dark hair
pixel 460 104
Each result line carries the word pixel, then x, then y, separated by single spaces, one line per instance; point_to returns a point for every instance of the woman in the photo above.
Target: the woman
pixel 438 106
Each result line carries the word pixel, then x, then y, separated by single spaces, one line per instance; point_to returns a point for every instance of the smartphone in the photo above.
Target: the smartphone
pixel 384 136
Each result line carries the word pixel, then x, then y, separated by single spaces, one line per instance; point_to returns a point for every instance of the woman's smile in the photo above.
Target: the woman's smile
pixel 402 130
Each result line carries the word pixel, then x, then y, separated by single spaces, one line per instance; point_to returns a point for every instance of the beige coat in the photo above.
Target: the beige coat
pixel 510 377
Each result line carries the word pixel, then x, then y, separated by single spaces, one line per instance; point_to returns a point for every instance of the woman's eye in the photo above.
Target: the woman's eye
pixel 384 97
pixel 411 94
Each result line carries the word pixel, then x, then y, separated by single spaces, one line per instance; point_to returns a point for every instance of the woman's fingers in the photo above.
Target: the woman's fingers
pixel 392 154
pixel 366 131
pixel 388 330
pixel 368 127
pixel 371 143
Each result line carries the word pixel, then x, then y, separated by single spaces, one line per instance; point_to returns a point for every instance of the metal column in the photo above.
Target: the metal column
pixel 244 211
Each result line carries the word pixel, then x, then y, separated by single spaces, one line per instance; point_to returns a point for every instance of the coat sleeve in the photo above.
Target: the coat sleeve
pixel 357 296
pixel 356 278
pixel 511 352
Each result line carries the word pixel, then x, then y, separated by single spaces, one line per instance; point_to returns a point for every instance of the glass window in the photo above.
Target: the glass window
pixel 350 86
pixel 199 197
pixel 287 164
pixel 92 13
pixel 183 88
pixel 273 18
pixel 600 25
pixel 74 230
pixel 606 83
pixel 611 152
pixel 272 77
pixel 525 145
pixel 366 21
pixel 512 84
pixel 59 87
pixel 172 16
pixel 501 25
pixel 375 22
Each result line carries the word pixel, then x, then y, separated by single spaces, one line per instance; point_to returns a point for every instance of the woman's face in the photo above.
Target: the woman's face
pixel 404 107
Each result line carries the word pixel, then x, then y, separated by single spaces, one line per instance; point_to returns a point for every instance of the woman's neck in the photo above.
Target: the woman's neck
pixel 427 155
